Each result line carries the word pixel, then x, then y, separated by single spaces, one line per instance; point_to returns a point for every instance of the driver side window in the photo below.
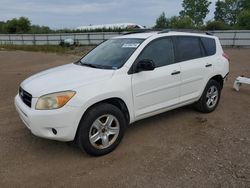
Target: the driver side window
pixel 161 51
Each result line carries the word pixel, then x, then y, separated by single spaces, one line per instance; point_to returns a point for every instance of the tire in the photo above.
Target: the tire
pixel 211 92
pixel 101 129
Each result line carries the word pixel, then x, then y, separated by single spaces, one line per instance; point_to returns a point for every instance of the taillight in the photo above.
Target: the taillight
pixel 226 56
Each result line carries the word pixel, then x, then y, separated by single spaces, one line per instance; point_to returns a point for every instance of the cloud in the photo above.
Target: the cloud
pixel 64 7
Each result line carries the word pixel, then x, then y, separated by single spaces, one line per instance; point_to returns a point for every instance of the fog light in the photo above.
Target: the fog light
pixel 54 131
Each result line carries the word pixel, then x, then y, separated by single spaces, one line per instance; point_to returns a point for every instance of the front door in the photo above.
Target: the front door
pixel 156 90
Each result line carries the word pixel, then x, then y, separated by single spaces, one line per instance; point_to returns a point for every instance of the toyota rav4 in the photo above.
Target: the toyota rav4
pixel 123 80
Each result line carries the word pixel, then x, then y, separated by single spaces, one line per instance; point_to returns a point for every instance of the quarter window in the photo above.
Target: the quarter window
pixel 209 45
pixel 160 51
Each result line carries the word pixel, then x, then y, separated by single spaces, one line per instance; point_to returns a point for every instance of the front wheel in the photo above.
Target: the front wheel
pixel 210 97
pixel 101 129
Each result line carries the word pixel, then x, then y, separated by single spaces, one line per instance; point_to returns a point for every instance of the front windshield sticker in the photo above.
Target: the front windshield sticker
pixel 130 45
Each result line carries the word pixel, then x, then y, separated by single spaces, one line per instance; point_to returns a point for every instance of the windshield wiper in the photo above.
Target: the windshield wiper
pixel 89 65
pixel 96 66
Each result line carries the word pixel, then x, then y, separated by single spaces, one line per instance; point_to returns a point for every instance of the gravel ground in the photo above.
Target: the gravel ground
pixel 180 148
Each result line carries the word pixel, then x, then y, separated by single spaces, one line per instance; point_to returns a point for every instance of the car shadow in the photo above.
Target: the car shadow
pixel 54 148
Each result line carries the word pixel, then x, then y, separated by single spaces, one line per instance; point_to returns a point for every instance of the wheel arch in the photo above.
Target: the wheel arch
pixel 218 78
pixel 116 101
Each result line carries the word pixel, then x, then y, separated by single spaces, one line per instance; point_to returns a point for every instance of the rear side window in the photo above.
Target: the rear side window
pixel 209 45
pixel 188 48
pixel 161 51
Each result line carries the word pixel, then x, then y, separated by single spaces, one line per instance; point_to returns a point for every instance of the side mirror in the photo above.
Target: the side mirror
pixel 145 65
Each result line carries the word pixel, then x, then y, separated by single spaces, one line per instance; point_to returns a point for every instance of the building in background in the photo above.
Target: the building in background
pixel 112 26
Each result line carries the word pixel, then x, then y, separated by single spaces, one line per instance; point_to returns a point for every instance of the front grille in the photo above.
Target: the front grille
pixel 25 96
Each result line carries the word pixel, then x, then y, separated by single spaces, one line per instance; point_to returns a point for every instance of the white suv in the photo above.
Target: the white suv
pixel 123 80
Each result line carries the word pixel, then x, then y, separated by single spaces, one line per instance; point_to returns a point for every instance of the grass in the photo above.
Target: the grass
pixel 79 50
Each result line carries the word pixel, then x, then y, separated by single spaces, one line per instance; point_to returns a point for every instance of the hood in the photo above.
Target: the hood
pixel 66 77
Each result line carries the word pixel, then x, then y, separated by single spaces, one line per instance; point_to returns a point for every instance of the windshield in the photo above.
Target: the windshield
pixel 111 54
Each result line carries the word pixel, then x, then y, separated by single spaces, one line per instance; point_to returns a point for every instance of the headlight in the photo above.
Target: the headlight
pixel 54 100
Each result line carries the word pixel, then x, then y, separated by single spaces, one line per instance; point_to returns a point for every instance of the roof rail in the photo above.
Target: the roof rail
pixel 132 32
pixel 141 31
pixel 135 31
pixel 165 31
pixel 185 30
pixel 209 33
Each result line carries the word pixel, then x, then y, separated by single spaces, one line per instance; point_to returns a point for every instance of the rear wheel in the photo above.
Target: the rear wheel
pixel 101 129
pixel 210 97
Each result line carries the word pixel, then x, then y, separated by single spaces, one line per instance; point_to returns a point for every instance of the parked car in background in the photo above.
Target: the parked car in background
pixel 67 42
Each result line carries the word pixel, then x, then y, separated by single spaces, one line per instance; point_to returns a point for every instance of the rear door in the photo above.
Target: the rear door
pixel 155 90
pixel 195 66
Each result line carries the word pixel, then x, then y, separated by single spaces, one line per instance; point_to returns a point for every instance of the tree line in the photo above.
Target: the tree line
pixel 23 25
pixel 229 14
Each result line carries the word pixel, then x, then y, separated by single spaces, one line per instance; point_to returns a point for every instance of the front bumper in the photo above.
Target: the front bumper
pixel 41 122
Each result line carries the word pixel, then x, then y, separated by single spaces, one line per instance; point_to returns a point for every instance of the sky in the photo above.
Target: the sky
pixel 59 14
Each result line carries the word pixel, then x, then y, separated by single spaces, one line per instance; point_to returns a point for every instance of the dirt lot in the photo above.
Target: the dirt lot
pixel 181 148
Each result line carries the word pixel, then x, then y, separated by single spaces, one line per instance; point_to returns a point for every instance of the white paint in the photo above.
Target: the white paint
pixel 145 93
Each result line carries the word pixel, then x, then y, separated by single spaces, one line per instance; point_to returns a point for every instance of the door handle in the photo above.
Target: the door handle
pixel 208 65
pixel 175 72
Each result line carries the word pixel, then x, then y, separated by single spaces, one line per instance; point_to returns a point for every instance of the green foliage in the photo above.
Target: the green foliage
pixel 244 19
pixel 21 25
pixel 220 11
pixel 177 22
pixel 11 26
pixel 227 11
pixel 162 21
pixel 36 29
pixel 2 27
pixel 245 4
pixel 197 10
pixel 216 25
